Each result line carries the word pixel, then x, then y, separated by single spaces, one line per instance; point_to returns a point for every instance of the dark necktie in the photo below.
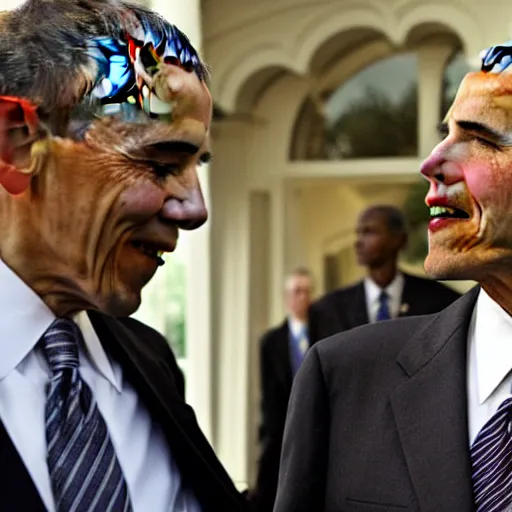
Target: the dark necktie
pixel 299 347
pixel 383 311
pixel 84 470
pixel 491 460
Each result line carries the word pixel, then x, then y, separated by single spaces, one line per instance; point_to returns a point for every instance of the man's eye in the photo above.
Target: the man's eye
pixel 488 143
pixel 164 170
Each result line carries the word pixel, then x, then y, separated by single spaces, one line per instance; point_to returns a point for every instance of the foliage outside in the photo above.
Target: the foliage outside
pixel 164 303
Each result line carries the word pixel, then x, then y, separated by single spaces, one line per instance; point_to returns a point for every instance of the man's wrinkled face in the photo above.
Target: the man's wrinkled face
pixel 102 212
pixel 470 174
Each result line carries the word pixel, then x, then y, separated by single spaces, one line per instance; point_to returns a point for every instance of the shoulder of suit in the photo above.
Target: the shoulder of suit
pixel 370 342
pixel 274 333
pixel 338 295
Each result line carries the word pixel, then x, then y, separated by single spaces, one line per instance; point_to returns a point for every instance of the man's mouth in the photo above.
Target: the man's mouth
pixel 446 212
pixel 151 251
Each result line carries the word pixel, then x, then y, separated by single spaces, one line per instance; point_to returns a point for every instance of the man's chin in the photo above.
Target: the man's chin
pixel 444 267
pixel 122 305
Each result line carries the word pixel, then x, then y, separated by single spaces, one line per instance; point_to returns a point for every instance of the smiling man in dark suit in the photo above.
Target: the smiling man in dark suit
pixel 104 118
pixel 415 414
pixel 385 292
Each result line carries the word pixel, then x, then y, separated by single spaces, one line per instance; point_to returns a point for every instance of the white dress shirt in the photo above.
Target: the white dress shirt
pixel 394 290
pixel 298 330
pixel 153 480
pixel 489 362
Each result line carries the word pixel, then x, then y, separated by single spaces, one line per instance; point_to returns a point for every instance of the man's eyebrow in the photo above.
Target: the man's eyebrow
pixel 486 131
pixel 175 146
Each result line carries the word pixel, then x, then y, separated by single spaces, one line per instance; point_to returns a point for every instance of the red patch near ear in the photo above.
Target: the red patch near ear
pixel 14 113
pixel 12 180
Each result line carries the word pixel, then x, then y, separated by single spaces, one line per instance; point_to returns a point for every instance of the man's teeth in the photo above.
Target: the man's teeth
pixel 436 211
pixel 148 251
pixel 446 211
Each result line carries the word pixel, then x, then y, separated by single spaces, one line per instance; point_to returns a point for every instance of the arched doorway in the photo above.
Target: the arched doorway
pixel 272 190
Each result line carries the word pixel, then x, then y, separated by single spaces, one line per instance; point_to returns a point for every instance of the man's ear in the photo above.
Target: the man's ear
pixel 21 141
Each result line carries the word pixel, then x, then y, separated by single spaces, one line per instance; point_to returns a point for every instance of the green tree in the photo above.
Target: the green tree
pixel 375 126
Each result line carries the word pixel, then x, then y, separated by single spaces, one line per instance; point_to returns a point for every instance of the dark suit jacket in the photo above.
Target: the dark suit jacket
pixel 378 419
pixel 276 384
pixel 345 308
pixel 149 365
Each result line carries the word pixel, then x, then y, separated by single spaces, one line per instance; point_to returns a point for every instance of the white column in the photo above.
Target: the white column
pixel 231 302
pixel 294 254
pixel 186 15
pixel 431 64
pixel 278 255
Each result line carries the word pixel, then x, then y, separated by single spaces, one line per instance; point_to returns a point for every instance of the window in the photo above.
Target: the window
pixel 373 114
pixel 454 72
pixel 164 301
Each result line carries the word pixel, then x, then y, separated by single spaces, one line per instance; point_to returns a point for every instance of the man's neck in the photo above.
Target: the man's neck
pixel 500 291
pixel 57 290
pixel 383 276
pixel 298 318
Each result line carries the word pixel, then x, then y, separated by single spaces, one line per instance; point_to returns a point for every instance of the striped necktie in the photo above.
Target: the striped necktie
pixel 491 459
pixel 84 471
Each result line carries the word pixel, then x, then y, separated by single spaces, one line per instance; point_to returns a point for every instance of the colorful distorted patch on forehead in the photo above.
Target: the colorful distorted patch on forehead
pixel 487 94
pixel 129 80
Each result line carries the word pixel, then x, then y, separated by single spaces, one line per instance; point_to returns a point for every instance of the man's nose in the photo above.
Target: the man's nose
pixel 188 211
pixel 439 166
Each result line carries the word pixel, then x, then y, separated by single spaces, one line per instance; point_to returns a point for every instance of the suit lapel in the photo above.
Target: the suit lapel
pixel 151 377
pixel 409 298
pixel 17 490
pixel 430 410
pixel 282 348
pixel 357 306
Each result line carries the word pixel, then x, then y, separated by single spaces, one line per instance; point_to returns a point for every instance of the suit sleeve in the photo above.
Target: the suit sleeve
pixel 271 406
pixel 302 474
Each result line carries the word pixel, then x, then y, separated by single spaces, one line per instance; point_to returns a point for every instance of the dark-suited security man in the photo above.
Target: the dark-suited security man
pixel 386 292
pixel 282 350
pixel 104 118
pixel 415 414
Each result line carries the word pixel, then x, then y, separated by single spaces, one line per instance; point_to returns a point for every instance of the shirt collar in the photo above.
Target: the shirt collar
pixel 95 350
pixel 492 336
pixel 296 326
pixel 24 318
pixel 394 289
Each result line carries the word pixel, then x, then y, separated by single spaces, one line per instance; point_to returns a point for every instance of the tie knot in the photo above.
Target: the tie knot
pixel 60 343
pixel 384 296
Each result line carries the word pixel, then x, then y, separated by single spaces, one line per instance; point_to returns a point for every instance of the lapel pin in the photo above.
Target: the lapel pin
pixel 404 308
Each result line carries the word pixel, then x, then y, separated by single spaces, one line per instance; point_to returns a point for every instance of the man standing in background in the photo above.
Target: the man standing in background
pixel 385 292
pixel 282 351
